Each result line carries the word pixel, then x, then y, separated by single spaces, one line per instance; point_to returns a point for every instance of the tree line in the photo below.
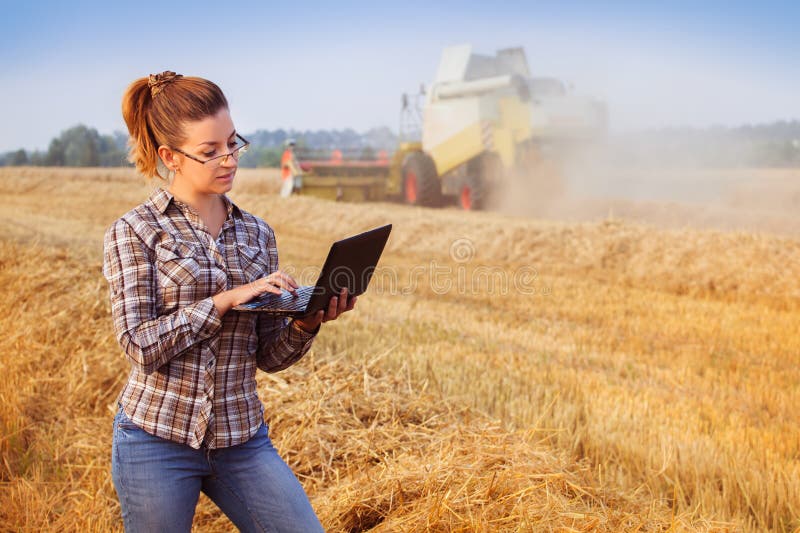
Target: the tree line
pixel 82 146
pixel 79 146
pixel 775 144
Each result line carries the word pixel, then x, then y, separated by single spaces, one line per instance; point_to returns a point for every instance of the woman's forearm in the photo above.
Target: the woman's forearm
pixel 153 342
pixel 224 301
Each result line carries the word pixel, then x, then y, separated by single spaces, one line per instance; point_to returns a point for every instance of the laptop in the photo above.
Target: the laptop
pixel 350 263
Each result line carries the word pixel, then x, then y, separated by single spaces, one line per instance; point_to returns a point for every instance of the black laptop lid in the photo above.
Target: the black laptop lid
pixel 351 263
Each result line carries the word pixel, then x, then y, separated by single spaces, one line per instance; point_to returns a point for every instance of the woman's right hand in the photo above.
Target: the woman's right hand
pixel 273 283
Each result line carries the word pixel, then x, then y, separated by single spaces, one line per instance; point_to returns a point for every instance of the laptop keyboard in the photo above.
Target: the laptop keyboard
pixel 284 301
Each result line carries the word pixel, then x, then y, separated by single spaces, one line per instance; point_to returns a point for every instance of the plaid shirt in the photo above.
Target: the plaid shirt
pixel 192 377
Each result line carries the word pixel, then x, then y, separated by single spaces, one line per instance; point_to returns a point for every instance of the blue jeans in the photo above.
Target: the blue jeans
pixel 158 483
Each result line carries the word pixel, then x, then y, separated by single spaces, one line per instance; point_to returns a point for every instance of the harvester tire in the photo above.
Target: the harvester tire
pixel 472 194
pixel 484 173
pixel 421 185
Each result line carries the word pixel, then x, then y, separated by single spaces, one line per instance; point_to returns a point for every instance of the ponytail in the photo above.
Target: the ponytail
pixel 143 147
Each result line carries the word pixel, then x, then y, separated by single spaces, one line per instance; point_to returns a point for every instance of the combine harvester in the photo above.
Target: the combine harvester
pixel 483 122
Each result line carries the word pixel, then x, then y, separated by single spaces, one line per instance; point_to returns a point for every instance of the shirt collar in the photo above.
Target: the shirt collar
pixel 161 199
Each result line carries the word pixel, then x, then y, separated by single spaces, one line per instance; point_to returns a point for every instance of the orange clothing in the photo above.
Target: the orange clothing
pixel 287 164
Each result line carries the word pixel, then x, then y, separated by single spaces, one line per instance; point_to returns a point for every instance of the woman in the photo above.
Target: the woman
pixel 189 417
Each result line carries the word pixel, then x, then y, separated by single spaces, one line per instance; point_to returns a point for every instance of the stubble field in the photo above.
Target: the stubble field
pixel 502 374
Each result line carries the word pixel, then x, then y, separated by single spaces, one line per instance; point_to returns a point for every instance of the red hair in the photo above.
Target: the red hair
pixel 156 109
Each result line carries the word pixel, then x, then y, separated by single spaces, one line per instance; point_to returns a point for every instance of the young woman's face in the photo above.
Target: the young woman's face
pixel 205 139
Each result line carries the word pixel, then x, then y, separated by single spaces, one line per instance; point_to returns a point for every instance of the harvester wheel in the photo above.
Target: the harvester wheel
pixel 421 185
pixel 483 173
pixel 472 196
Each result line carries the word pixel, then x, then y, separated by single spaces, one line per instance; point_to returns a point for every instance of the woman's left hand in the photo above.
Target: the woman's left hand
pixel 338 305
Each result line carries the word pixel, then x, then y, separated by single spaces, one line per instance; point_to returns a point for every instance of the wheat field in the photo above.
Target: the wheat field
pixel 502 373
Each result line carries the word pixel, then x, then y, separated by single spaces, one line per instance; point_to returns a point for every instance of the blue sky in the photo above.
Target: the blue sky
pixel 345 64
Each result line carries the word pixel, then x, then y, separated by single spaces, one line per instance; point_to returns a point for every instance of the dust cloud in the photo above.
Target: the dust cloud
pixel 643 182
pixel 689 140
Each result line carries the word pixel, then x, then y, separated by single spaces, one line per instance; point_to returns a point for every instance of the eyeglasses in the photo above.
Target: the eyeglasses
pixel 242 145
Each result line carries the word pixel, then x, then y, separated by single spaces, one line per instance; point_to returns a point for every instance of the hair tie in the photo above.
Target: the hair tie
pixel 157 82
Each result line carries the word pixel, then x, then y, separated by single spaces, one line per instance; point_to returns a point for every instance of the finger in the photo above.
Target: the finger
pixel 351 303
pixel 318 317
pixel 289 280
pixel 279 279
pixel 285 284
pixel 263 285
pixel 342 301
pixel 332 306
pixel 283 280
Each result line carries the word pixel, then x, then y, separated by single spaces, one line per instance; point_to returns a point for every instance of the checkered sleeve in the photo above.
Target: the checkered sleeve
pixel 281 343
pixel 148 340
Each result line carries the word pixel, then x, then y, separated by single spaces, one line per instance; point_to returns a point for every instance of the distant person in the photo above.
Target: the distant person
pixel 189 417
pixel 289 165
pixel 290 169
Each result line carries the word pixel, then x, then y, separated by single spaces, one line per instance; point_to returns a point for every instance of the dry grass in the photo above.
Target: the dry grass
pixel 649 382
